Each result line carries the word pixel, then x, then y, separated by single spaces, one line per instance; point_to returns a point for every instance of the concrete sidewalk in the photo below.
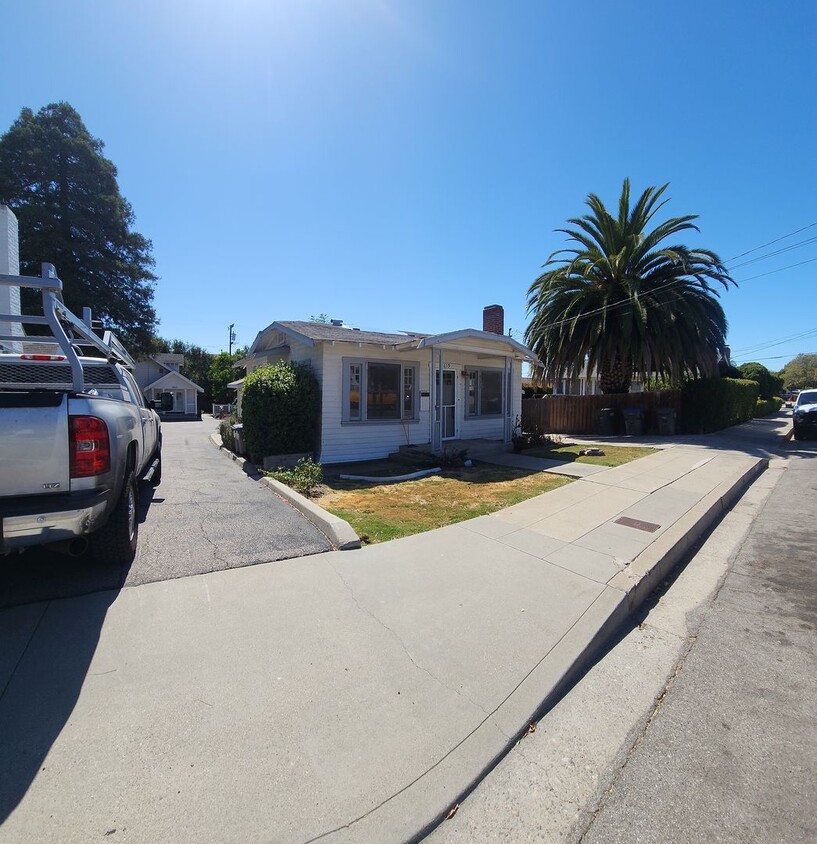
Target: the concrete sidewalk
pixel 351 696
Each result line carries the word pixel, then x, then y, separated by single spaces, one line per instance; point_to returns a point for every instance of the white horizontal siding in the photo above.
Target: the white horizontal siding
pixel 482 428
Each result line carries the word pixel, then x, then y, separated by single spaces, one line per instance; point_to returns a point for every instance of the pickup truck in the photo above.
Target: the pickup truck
pixel 76 434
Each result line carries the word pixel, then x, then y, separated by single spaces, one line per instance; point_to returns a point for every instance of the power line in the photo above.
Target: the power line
pixel 774 357
pixel 771 242
pixel 807 242
pixel 761 346
pixel 779 270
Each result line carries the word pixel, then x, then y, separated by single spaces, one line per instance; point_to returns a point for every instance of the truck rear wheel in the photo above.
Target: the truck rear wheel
pixel 114 544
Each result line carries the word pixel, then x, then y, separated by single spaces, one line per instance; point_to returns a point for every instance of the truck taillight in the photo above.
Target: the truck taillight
pixel 90 446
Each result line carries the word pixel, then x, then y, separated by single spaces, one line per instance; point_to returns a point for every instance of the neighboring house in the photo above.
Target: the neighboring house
pixel 161 382
pixel 587 384
pixel 380 391
pixel 583 384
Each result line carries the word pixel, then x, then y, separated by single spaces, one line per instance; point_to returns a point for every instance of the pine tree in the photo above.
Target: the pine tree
pixel 64 192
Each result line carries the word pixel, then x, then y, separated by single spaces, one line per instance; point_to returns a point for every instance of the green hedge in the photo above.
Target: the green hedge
pixel 711 404
pixel 280 410
pixel 766 407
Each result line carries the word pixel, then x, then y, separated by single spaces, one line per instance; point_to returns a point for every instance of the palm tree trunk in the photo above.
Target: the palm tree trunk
pixel 615 376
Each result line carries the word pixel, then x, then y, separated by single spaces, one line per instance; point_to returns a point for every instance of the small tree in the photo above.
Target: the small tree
pixel 280 409
pixel 221 372
pixel 770 385
pixel 800 372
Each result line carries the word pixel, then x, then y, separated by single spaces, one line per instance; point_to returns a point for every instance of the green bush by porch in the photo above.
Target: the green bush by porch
pixel 280 409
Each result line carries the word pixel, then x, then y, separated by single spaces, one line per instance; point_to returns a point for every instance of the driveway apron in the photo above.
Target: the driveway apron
pixel 207 515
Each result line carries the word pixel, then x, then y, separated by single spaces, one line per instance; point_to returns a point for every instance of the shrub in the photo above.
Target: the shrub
pixel 454 459
pixel 711 404
pixel 280 409
pixel 225 428
pixel 303 477
pixel 765 407
pixel 533 438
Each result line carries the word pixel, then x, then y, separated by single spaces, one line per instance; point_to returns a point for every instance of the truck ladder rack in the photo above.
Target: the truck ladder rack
pixel 62 324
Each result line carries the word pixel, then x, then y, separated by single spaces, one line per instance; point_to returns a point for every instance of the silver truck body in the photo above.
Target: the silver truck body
pixel 44 497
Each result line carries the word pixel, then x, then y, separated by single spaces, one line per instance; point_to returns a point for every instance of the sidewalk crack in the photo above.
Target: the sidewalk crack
pixel 402 644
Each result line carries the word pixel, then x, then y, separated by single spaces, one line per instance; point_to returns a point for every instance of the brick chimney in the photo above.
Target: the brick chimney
pixel 493 319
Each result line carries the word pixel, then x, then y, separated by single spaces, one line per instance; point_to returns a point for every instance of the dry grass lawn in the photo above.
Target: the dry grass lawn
pixel 388 511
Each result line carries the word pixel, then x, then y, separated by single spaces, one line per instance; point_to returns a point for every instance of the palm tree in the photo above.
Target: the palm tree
pixel 621 303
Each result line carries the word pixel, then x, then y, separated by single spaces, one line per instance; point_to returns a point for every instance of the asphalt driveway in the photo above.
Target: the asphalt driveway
pixel 206 515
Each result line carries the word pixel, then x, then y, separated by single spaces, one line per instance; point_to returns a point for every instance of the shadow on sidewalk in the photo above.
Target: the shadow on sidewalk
pixel 40 574
pixel 763 438
pixel 41 685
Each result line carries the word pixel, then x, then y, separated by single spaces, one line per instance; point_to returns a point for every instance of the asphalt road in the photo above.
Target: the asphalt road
pixel 206 515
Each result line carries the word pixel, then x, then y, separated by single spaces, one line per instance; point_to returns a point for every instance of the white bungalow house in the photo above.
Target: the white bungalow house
pixel 380 391
pixel 161 382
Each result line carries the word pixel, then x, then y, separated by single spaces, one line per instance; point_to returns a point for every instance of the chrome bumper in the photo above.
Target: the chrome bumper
pixel 28 523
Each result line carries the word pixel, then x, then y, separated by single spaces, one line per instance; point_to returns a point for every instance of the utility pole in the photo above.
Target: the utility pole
pixel 232 337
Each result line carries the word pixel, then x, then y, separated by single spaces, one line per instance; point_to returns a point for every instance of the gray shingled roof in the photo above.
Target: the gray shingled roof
pixel 322 331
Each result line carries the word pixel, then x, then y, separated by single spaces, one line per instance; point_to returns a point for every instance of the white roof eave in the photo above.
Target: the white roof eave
pixel 510 347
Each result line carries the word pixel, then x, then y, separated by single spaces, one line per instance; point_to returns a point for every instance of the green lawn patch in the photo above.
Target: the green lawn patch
pixel 614 455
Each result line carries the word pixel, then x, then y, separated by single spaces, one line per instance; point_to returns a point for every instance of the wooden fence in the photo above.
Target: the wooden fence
pixel 580 414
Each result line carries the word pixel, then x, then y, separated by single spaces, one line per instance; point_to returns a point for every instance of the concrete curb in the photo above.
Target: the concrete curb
pixel 247 467
pixel 657 561
pixel 336 530
pixel 340 532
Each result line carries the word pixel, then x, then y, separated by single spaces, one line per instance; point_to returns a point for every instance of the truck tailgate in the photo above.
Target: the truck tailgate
pixel 34 456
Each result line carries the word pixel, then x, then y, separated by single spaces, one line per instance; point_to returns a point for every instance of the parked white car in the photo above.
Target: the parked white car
pixel 805 414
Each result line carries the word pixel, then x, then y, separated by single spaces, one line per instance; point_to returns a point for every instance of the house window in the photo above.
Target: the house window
pixel 377 391
pixel 383 391
pixel 483 392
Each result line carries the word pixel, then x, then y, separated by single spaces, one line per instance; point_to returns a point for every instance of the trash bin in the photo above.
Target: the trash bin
pixel 238 437
pixel 634 421
pixel 666 421
pixel 606 422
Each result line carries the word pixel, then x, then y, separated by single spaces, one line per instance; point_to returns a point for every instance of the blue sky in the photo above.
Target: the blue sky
pixel 400 165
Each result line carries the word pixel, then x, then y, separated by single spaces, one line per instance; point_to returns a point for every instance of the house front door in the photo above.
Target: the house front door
pixel 448 405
